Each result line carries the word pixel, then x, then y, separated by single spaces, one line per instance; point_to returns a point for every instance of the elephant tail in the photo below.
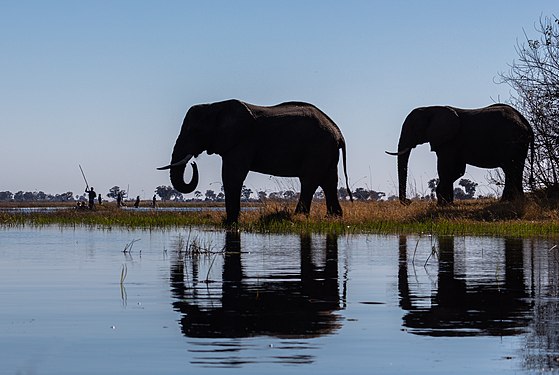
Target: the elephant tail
pixel 342 146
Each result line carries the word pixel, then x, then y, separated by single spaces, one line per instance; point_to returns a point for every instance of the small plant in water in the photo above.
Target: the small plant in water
pixel 199 247
pixel 128 247
pixel 194 246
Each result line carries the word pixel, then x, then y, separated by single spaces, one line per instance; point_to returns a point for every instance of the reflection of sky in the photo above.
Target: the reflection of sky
pixel 62 308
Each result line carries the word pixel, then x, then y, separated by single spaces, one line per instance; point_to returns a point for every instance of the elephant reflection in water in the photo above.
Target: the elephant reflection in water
pixel 459 309
pixel 295 306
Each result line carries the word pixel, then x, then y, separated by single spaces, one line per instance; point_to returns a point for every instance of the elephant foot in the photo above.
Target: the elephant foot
pixel 513 198
pixel 301 211
pixel 509 196
pixel 443 202
pixel 405 201
pixel 335 213
pixel 230 223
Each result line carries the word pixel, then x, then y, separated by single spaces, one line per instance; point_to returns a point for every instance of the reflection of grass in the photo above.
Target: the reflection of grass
pixel 123 295
pixel 478 217
pixel 193 246
pixel 123 274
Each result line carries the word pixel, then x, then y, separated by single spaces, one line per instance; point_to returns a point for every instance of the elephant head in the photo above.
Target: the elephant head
pixel 214 128
pixel 436 125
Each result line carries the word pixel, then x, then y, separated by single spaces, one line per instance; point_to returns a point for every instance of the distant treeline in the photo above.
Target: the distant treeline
pixel 168 193
pixel 466 190
pixel 20 196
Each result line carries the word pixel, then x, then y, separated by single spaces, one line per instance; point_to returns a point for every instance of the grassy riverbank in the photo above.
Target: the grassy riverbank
pixel 477 217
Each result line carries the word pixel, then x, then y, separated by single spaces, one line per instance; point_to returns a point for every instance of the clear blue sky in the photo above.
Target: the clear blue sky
pixel 107 83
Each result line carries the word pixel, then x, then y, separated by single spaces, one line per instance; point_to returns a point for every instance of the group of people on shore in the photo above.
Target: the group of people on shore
pixel 92 195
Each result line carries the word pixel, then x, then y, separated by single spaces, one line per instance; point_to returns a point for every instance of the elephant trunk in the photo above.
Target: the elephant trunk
pixel 177 178
pixel 403 159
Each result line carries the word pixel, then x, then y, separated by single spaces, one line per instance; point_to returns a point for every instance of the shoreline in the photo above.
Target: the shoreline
pixel 487 217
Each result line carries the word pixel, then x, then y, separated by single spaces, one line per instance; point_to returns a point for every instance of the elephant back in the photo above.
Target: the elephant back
pixel 297 109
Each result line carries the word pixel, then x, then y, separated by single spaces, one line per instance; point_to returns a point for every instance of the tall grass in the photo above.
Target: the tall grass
pixel 477 217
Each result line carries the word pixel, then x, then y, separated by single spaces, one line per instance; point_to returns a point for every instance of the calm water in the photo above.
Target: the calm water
pixel 275 304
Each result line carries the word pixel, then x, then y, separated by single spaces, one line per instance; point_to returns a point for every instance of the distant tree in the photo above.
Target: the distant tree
pixel 113 192
pixel 167 193
pixel 432 184
pixel 318 194
pixel 262 195
pixel 289 195
pixel 276 195
pixel 467 193
pixel 220 197
pixel 469 187
pixel 361 194
pixel 198 194
pixel 18 197
pixel 245 193
pixel 64 197
pixel 28 196
pixel 210 195
pixel 342 193
pixel 376 195
pixel 177 196
pixel 459 194
pixel 6 196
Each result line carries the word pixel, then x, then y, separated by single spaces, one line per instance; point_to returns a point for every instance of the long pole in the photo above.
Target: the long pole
pixel 85 179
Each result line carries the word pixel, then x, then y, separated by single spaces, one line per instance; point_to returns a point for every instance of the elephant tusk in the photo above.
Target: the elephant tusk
pixel 177 164
pixel 403 152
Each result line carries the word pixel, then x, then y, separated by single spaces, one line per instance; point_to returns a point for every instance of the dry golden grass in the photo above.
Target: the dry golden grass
pixel 483 217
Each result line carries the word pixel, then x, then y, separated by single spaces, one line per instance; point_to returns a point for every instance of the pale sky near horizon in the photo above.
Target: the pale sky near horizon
pixel 106 84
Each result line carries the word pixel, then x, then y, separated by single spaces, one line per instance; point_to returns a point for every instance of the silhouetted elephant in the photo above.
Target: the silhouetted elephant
pixel 490 137
pixel 458 308
pixel 289 140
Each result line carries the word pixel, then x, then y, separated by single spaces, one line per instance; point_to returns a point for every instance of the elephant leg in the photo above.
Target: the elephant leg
pixel 308 187
pixel 449 171
pixel 513 183
pixel 330 187
pixel 233 178
pixel 444 191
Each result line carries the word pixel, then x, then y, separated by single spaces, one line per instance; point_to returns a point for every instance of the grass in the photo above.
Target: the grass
pixel 476 217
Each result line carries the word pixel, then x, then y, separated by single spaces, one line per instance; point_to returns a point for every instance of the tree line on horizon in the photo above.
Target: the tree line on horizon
pixel 466 190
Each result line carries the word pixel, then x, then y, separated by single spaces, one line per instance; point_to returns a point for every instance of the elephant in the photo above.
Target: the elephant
pixel 292 139
pixel 490 137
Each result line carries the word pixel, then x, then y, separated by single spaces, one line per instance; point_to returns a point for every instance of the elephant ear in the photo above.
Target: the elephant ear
pixel 233 123
pixel 443 127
